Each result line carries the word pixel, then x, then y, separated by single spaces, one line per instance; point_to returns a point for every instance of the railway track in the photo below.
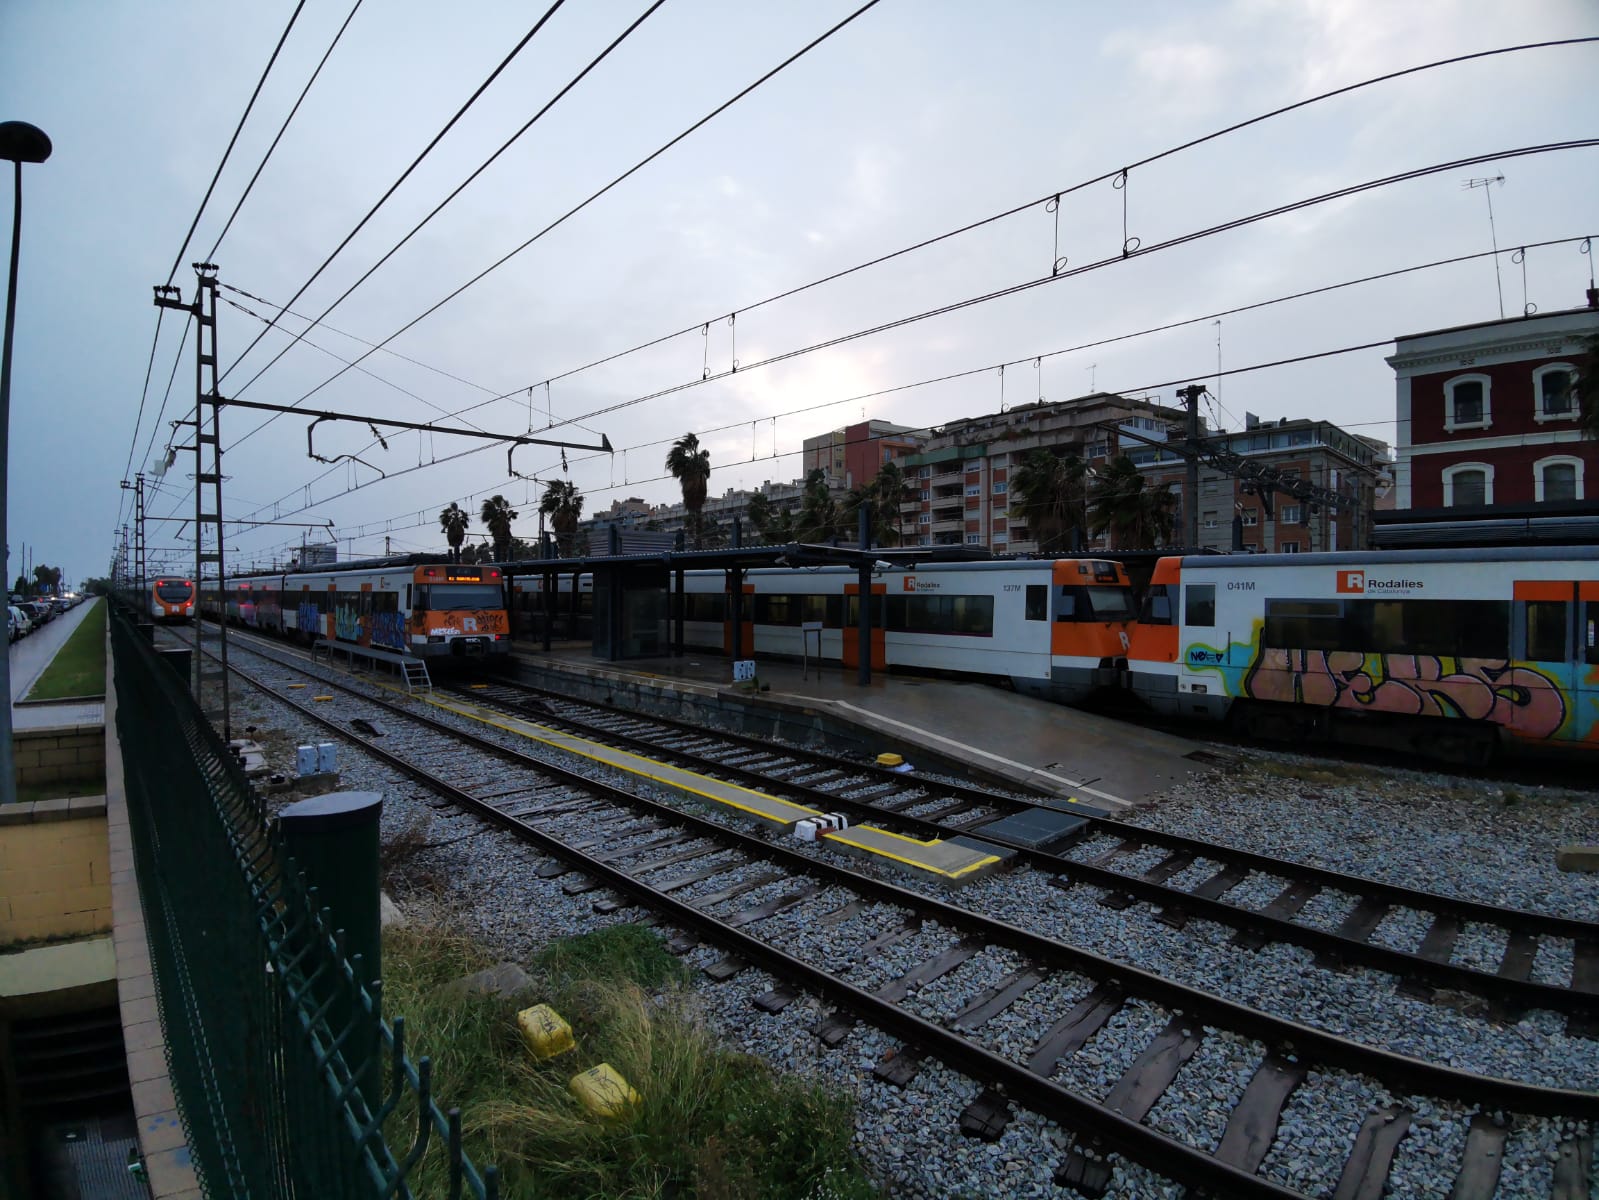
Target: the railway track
pixel 1135 865
pixel 1013 1008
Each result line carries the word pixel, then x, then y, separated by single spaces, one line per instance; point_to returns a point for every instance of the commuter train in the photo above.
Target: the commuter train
pixel 1057 629
pixel 420 607
pixel 171 598
pixel 1454 654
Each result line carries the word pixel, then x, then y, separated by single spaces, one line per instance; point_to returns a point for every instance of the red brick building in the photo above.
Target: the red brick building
pixel 1485 415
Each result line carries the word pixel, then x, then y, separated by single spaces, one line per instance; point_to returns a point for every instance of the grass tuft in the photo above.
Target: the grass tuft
pixel 711 1122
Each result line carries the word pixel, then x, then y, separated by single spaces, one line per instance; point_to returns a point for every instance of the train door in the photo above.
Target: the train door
pixel 1546 687
pixel 852 616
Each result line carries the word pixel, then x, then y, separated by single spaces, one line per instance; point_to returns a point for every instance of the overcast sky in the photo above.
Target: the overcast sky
pixel 917 118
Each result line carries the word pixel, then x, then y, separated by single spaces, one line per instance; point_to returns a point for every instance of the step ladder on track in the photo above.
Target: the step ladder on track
pixel 416 676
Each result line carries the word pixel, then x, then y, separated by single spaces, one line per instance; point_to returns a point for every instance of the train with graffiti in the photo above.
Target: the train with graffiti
pixel 1451 654
pixel 416 605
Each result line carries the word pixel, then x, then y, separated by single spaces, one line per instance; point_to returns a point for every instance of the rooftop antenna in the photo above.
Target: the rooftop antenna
pixel 1486 184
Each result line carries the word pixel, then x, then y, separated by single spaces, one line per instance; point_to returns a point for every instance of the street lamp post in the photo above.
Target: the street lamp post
pixel 19 142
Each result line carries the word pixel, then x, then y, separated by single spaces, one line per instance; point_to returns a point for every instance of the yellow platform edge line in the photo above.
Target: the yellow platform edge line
pixel 572 744
pixel 843 838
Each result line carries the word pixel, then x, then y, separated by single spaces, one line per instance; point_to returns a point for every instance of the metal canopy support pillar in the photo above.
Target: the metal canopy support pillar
pixel 138 535
pixel 863 670
pixel 735 609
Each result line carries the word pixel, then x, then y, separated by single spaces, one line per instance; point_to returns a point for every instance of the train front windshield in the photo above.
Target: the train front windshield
pixel 1095 603
pixel 173 591
pixel 458 597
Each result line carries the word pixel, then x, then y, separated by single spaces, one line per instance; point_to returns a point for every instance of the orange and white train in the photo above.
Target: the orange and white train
pixel 428 609
pixel 1057 629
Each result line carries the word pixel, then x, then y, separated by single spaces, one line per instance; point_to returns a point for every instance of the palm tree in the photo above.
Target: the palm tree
pixel 1048 494
pixel 818 515
pixel 893 489
pixel 562 503
pixel 497 515
pixel 455 520
pixel 691 467
pixel 1137 515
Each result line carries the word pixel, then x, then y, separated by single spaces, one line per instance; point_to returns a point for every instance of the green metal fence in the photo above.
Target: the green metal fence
pixel 247 968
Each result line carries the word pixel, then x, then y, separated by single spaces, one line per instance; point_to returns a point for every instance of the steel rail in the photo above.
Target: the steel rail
pixel 1287 1037
pixel 1504 990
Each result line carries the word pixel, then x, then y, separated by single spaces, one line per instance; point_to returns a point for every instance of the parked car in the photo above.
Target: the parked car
pixel 38 610
pixel 21 623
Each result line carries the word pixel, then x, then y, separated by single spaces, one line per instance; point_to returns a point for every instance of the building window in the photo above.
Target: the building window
pixel 1468 484
pixel 1251 516
pixel 927 493
pixel 1001 487
pixel 974 539
pixel 1551 390
pixel 1558 477
pixel 925 473
pixel 1466 403
pixel 974 489
pixel 925 518
pixel 1288 514
pixel 1289 548
pixel 1000 539
pixel 998 460
pixel 974 464
pixel 1210 520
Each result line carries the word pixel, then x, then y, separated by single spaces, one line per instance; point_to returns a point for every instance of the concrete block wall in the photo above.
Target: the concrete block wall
pixel 55 873
pixel 61 755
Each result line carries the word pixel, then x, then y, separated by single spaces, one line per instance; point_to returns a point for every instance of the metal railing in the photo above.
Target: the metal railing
pixel 248 967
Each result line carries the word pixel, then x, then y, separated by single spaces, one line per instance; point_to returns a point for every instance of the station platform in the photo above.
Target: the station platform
pixel 1064 753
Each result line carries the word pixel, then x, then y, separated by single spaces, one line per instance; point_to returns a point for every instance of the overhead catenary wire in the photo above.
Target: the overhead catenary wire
pixel 1056 271
pixel 1054 198
pixel 282 129
pixel 416 162
pixel 260 83
pixel 177 260
pixel 634 169
pixel 987 368
pixel 461 187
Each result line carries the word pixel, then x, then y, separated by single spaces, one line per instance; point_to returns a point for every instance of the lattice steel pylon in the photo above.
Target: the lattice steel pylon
pixel 204 312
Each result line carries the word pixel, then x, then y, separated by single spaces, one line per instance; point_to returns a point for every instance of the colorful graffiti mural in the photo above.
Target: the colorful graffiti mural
pixel 1526 700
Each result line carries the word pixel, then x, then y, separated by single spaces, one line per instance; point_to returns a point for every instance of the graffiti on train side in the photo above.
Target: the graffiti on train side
pixel 384 629
pixel 1479 689
pixel 1518 696
pixel 308 618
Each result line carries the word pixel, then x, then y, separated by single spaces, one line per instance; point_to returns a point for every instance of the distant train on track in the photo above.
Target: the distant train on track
pixel 1450 653
pixel 424 608
pixel 170 598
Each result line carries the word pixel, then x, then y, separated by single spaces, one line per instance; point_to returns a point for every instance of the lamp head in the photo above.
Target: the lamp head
pixel 23 143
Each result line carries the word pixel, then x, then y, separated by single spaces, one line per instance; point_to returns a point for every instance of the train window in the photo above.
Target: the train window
pixel 969 615
pixel 1546 630
pixel 1200 599
pixel 1300 624
pixel 1157 606
pixel 852 615
pixel 1481 627
pixel 775 610
pixel 422 597
pixel 1591 626
pixel 1037 602
pixel 171 589
pixel 699 607
pixel 815 608
pixel 1111 603
pixel 459 597
pixel 1066 606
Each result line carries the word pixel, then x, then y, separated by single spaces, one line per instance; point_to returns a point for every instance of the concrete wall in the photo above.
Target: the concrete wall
pixel 65 754
pixel 55 876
